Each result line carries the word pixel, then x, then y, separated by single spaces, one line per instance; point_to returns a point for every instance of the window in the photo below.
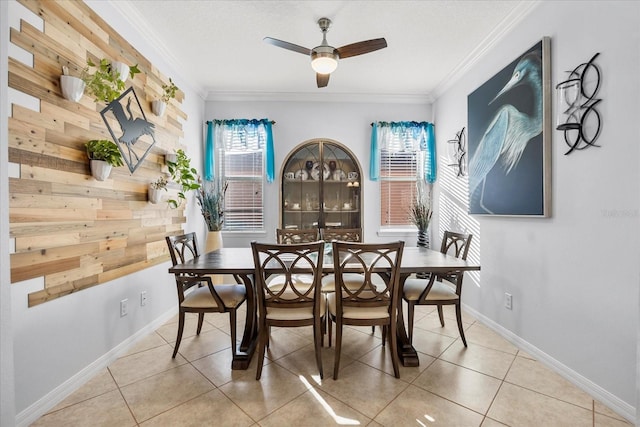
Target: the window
pixel 398 176
pixel 243 171
pixel 241 147
pixel 403 159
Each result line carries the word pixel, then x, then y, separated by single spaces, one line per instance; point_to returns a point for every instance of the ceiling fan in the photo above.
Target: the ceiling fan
pixel 324 58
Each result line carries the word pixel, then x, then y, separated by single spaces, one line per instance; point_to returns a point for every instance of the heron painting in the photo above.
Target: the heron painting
pixel 135 135
pixel 509 138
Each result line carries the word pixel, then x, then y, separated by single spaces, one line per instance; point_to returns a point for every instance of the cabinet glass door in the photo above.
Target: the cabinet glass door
pixel 321 187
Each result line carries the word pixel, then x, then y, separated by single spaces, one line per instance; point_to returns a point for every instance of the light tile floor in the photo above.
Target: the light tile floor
pixel 491 383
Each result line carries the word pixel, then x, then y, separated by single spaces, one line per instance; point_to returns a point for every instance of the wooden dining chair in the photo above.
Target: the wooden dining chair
pixel 344 234
pixel 293 303
pixel 198 294
pixel 328 282
pixel 439 289
pixel 373 302
pixel 286 236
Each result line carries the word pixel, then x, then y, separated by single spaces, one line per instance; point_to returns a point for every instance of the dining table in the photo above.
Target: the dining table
pixel 238 262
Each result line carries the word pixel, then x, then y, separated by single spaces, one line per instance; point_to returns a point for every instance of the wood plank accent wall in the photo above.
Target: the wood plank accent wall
pixel 72 230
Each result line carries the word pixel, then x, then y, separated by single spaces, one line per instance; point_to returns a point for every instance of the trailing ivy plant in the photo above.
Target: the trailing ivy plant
pixel 104 84
pixel 183 174
pixel 169 91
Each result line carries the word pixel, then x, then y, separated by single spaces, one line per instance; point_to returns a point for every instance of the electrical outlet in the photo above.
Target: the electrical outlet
pixel 508 301
pixel 143 298
pixel 124 307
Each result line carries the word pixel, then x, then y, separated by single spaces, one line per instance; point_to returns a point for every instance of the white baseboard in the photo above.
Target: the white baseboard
pixel 617 405
pixel 57 395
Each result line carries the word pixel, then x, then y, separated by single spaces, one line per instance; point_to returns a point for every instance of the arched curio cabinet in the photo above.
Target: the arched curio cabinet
pixel 321 187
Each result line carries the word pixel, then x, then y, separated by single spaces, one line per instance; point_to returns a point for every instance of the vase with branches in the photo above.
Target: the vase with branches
pixel 210 196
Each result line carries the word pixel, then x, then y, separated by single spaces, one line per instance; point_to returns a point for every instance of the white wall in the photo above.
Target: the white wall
pixel 297 121
pixel 574 277
pixel 60 344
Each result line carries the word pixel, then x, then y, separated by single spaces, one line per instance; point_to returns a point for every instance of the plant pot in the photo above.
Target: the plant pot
pixel 72 87
pixel 100 169
pixel 214 241
pixel 158 106
pixel 423 242
pixel 154 194
pixel 122 69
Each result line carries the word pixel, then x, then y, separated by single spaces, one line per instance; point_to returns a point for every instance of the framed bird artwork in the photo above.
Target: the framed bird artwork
pixel 509 138
pixel 129 128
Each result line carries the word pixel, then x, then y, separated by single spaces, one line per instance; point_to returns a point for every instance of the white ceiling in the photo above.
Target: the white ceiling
pixel 218 46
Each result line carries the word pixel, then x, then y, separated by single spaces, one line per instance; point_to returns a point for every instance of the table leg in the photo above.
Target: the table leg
pixel 407 354
pixel 250 337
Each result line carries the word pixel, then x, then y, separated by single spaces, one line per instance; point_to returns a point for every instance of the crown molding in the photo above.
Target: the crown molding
pixel 355 98
pixel 151 37
pixel 501 30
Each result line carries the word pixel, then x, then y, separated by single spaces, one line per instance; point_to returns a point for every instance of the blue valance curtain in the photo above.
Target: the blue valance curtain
pixel 240 135
pixel 403 136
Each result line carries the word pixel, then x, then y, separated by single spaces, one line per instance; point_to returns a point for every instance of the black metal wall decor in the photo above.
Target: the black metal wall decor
pixel 136 135
pixel 458 153
pixel 576 114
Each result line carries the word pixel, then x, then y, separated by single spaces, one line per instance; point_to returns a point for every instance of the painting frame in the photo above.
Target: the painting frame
pixel 509 122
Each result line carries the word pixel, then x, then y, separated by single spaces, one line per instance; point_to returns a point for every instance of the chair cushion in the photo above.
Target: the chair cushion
pixel 276 313
pixel 231 296
pixel 275 283
pixel 351 280
pixel 440 291
pixel 349 312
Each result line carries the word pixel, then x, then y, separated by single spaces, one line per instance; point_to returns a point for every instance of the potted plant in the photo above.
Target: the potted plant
pixel 168 91
pixel 104 154
pixel 72 87
pixel 107 82
pixel 154 189
pixel 184 175
pixel 211 199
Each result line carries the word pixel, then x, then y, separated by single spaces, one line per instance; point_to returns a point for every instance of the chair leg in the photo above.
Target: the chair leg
pixel 330 326
pixel 263 338
pixel 459 319
pixel 393 340
pixel 373 329
pixel 336 363
pixel 440 315
pixel 411 305
pixel 232 323
pixel 179 337
pixel 317 341
pixel 384 334
pixel 200 322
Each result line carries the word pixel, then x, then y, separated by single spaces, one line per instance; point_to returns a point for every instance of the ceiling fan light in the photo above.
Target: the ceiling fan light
pixel 324 62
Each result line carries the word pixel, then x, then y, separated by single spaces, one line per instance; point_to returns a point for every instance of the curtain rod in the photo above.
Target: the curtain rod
pixel 272 122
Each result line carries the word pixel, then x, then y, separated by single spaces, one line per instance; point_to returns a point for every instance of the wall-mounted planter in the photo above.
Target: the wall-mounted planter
pixel 155 195
pixel 72 87
pixel 100 169
pixel 158 106
pixel 122 69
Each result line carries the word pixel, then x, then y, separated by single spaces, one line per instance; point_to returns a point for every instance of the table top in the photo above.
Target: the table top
pixel 240 261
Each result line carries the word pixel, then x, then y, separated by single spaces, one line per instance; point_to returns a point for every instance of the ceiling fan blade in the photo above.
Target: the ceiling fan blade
pixel 322 79
pixel 361 47
pixel 287 45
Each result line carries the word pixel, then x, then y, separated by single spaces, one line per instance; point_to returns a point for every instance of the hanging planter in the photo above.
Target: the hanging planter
pixel 121 70
pixel 158 106
pixel 154 191
pixel 72 87
pixel 103 155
